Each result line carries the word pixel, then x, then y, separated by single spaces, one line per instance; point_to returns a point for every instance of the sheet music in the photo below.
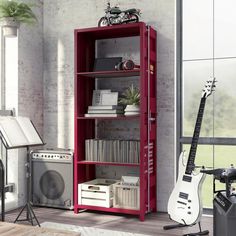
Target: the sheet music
pixel 29 130
pixel 18 131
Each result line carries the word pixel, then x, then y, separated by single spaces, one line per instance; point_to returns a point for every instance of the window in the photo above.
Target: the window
pixel 207 38
pixel 9 101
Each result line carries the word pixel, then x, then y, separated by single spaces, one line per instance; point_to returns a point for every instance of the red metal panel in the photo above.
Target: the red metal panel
pixel 143 121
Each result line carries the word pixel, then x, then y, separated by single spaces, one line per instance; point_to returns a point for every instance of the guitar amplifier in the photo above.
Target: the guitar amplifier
pixel 52 178
pixel 224 215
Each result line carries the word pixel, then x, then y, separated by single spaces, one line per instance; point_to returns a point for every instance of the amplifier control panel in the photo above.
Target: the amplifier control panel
pixel 52 155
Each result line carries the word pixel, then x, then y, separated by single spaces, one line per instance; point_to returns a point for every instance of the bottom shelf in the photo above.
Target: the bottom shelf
pixel 110 209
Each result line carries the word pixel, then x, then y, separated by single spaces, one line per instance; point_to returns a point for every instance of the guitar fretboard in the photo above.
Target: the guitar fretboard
pixel 193 149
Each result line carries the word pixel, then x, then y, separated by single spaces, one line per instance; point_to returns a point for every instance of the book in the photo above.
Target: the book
pixel 103 115
pixel 19 131
pixel 106 107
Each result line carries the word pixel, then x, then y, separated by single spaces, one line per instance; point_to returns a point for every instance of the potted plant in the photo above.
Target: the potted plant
pixel 12 13
pixel 131 98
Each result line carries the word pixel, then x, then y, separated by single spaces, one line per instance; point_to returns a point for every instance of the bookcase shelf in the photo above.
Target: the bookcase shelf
pixel 111 209
pixel 110 74
pixel 88 44
pixel 131 117
pixel 107 163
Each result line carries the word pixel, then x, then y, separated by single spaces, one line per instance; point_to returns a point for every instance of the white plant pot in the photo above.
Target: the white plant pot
pixel 132 110
pixel 9 26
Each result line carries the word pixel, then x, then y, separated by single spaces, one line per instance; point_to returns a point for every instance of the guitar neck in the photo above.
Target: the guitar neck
pixel 193 149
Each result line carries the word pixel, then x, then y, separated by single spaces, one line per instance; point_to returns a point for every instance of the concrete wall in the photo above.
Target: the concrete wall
pixel 30 96
pixel 60 19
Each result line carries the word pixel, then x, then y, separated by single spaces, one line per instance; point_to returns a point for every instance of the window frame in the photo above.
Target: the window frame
pixel 180 138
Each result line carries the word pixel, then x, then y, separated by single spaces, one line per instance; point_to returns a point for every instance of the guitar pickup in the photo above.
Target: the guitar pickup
pixel 183 195
pixel 187 178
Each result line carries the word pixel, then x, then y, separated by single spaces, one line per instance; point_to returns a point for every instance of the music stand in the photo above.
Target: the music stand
pixel 19 132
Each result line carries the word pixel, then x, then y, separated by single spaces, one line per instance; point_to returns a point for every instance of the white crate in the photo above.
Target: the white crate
pixel 126 196
pixel 97 192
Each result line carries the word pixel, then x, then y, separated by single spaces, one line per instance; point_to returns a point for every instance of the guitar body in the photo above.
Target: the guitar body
pixel 185 205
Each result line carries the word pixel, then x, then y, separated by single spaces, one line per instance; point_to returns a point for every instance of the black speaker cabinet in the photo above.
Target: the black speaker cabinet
pixel 224 215
pixel 52 178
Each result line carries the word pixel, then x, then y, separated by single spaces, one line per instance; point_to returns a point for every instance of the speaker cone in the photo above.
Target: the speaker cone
pixel 52 184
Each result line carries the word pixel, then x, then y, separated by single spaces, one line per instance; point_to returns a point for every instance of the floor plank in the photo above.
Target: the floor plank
pixel 153 224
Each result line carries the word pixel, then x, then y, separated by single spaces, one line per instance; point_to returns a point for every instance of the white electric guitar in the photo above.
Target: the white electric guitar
pixel 184 205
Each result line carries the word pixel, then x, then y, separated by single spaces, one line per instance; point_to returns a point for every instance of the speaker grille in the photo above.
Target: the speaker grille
pixel 52 184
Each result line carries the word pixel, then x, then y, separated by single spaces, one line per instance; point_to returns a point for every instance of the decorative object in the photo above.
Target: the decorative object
pixel 125 65
pixel 12 14
pixel 131 98
pixel 106 64
pixel 97 192
pixel 114 16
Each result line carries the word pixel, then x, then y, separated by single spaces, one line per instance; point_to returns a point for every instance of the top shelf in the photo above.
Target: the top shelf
pixel 115 31
pixel 109 74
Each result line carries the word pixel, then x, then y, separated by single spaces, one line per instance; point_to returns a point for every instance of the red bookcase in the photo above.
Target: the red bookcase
pixel 85 83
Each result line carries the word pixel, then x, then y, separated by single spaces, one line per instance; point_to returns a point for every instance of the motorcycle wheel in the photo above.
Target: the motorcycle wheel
pixel 103 22
pixel 133 18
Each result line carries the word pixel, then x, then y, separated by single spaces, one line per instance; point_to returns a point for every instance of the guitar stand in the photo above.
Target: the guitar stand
pixel 205 232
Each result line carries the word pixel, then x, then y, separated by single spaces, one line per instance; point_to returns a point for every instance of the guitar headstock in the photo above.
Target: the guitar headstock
pixel 208 88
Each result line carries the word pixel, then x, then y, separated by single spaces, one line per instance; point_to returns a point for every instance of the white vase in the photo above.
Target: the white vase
pixel 9 26
pixel 132 110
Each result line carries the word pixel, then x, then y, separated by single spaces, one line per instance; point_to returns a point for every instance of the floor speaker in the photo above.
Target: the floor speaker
pixel 52 178
pixel 224 212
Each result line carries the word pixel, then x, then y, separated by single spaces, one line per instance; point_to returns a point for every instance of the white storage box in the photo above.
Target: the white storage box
pixel 126 196
pixel 97 192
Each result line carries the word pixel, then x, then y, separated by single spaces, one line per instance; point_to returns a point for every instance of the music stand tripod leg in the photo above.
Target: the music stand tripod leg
pixel 30 215
pixel 34 216
pixel 2 186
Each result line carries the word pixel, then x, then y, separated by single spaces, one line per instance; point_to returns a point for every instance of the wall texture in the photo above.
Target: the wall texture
pixel 30 89
pixel 60 19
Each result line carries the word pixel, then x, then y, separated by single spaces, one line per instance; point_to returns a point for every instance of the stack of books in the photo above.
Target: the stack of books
pixel 120 151
pixel 105 110
pixel 105 104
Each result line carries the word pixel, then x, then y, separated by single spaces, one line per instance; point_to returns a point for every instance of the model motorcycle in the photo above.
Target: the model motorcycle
pixel 115 16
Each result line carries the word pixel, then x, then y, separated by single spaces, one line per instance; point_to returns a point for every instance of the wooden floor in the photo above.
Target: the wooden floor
pixel 153 224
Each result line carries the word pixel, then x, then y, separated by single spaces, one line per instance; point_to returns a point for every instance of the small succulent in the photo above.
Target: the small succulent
pixel 20 11
pixel 131 96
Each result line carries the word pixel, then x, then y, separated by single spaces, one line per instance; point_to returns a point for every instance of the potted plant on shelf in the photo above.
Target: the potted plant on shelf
pixel 131 98
pixel 12 14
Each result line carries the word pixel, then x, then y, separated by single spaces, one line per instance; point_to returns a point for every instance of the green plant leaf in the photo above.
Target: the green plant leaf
pixel 131 96
pixel 20 11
